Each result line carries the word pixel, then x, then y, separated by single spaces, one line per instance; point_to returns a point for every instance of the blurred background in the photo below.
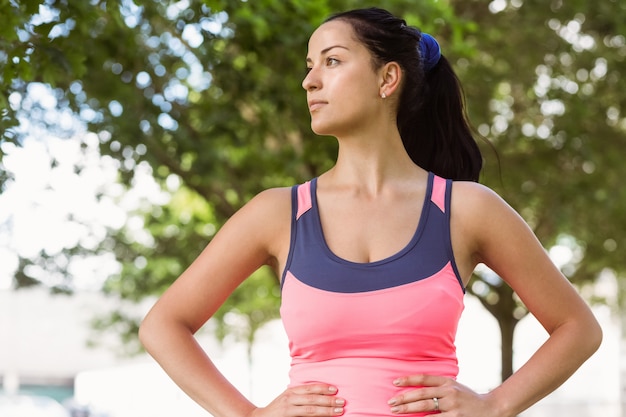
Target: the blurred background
pixel 130 131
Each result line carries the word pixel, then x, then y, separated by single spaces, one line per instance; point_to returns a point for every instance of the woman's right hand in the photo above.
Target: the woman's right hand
pixel 304 401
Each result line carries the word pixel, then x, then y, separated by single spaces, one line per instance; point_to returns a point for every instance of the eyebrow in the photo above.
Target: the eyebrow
pixel 326 50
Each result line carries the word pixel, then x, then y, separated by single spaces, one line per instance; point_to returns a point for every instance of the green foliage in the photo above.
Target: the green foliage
pixel 255 301
pixel 174 234
pixel 209 93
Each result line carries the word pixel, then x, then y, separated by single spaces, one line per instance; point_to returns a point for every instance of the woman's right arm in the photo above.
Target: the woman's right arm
pixel 256 235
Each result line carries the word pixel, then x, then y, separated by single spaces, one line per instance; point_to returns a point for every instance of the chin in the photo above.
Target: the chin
pixel 319 130
pixel 337 126
pixel 324 129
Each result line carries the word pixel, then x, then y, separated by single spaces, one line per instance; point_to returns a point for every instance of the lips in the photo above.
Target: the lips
pixel 316 104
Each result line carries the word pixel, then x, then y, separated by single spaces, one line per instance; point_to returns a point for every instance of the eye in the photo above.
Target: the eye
pixel 331 61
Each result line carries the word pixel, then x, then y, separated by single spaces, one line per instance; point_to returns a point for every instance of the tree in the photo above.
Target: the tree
pixel 207 95
pixel 553 114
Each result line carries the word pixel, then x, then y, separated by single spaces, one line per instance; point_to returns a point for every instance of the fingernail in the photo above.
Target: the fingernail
pixel 338 410
pixel 396 382
pixel 391 401
pixel 332 389
pixel 395 409
pixel 340 401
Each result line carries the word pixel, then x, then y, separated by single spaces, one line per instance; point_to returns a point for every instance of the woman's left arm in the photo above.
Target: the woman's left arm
pixel 505 243
pixel 487 230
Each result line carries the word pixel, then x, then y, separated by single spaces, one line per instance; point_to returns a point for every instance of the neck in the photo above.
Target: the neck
pixel 371 162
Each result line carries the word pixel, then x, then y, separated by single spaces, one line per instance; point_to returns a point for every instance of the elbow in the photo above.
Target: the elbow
pixel 158 332
pixel 146 333
pixel 594 336
pixel 589 337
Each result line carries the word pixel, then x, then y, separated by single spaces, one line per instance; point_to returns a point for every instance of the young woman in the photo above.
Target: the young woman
pixel 374 254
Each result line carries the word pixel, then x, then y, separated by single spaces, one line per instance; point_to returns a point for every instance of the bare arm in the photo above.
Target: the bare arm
pixel 506 244
pixel 487 230
pixel 256 235
pixel 245 242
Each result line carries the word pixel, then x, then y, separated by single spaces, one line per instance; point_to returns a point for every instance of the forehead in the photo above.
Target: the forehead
pixel 333 33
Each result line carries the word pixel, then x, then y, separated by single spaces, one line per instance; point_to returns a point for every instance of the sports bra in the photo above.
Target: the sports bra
pixel 359 326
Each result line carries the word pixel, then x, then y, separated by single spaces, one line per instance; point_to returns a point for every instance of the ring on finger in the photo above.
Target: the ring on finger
pixel 436 401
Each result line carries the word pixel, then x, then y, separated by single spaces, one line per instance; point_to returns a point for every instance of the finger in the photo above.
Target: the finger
pixel 422 380
pixel 426 405
pixel 317 399
pixel 320 406
pixel 319 389
pixel 419 394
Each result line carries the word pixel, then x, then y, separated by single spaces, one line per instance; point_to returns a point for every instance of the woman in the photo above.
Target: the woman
pixel 374 254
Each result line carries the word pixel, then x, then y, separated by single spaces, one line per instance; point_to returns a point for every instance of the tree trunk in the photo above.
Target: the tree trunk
pixel 507 329
pixel 503 308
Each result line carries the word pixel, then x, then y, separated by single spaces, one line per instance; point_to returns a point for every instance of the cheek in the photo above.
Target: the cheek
pixel 353 101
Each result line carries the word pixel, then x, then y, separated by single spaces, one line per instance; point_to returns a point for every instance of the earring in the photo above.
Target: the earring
pixel 383 95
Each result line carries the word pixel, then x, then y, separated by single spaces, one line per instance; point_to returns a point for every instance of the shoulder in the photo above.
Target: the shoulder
pixel 259 228
pixel 473 201
pixel 265 212
pixel 471 198
pixel 483 214
pixel 268 207
pixel 280 196
pixel 487 219
pixel 473 192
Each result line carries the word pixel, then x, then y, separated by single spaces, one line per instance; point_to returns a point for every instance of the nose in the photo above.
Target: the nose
pixel 311 80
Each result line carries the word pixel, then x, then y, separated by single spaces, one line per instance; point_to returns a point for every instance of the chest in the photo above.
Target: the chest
pixel 367 231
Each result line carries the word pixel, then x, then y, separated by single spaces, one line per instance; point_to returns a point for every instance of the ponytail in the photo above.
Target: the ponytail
pixel 431 111
pixel 435 129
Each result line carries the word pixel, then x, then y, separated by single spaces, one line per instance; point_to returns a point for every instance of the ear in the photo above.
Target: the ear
pixel 390 78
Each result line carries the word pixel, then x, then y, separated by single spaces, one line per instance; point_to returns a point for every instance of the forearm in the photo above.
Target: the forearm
pixel 175 348
pixel 552 364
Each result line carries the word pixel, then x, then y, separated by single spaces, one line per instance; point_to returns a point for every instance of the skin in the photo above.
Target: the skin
pixel 374 174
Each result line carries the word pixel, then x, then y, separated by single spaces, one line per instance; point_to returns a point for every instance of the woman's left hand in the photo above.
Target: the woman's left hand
pixel 438 394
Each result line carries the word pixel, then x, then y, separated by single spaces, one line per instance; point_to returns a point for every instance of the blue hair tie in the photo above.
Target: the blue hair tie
pixel 430 51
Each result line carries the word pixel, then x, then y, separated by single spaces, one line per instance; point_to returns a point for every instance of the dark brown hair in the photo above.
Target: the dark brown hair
pixel 431 112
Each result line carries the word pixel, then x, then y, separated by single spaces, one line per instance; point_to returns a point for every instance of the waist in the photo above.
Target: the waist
pixel 367 383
